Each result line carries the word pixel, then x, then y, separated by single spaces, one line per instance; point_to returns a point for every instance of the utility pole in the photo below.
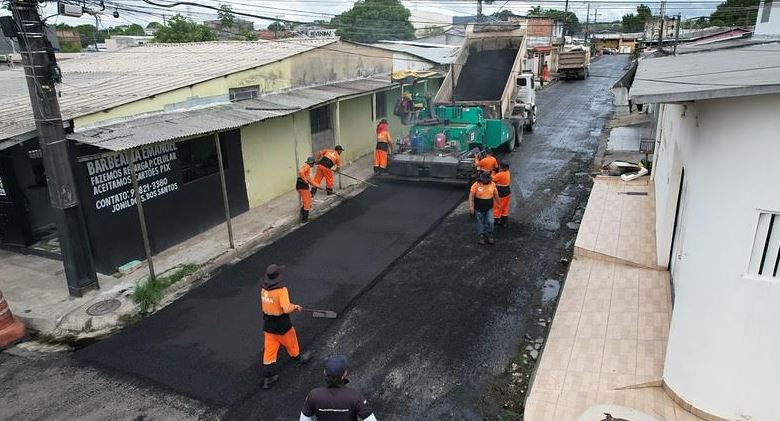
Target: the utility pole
pixel 677 33
pixel 479 10
pixel 565 17
pixel 587 23
pixel 661 32
pixel 41 72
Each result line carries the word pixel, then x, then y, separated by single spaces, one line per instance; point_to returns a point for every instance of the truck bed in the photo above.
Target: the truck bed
pixel 484 76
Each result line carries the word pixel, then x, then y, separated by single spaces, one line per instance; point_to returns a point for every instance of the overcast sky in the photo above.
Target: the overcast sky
pixel 307 10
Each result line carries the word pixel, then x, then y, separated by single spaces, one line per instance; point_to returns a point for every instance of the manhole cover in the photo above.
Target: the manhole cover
pixel 103 307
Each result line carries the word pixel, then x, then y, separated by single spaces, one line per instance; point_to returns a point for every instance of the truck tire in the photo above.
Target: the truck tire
pixel 518 133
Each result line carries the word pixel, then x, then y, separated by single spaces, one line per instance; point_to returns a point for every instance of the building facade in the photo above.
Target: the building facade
pixel 718 227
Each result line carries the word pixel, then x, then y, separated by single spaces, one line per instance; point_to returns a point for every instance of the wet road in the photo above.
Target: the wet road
pixel 434 334
pixel 433 338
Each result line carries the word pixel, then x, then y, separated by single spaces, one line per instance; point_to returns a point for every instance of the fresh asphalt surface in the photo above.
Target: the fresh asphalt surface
pixel 430 334
pixel 208 343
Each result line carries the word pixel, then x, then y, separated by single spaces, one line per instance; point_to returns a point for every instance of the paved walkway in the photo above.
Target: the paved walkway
pixel 608 338
pixel 37 293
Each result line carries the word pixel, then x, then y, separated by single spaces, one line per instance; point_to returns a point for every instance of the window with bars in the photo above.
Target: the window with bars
pixel 320 119
pixel 244 92
pixel 765 257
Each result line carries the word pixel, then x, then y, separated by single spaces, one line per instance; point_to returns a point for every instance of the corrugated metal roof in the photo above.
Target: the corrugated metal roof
pixel 101 81
pixel 718 74
pixel 435 53
pixel 184 124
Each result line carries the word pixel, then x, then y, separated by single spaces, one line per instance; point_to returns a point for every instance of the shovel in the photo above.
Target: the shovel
pixel 321 314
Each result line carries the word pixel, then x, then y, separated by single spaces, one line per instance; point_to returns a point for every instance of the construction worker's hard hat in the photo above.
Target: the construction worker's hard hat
pixel 310 160
pixel 339 148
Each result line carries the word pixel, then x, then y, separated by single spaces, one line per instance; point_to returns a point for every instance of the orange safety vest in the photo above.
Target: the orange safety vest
pixel 329 158
pixel 383 141
pixel 503 180
pixel 304 177
pixel 488 163
pixel 483 195
pixel 276 308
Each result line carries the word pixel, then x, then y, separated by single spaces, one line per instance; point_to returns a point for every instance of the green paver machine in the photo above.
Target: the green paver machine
pixel 475 108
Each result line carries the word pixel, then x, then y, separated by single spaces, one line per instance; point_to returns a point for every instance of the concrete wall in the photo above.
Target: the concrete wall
pixel 357 128
pixel 724 336
pixel 768 21
pixel 269 151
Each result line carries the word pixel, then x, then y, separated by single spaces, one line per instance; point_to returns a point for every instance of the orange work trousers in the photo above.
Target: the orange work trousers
pixel 501 208
pixel 305 196
pixel 321 173
pixel 380 158
pixel 272 342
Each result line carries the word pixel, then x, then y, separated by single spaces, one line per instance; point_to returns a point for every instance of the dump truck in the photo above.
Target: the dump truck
pixel 574 64
pixel 485 101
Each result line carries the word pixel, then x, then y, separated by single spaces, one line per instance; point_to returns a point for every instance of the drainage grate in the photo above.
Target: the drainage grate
pixel 103 307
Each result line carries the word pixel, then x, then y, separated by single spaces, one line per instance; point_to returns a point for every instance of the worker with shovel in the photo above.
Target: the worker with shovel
pixel 327 160
pixel 302 185
pixel 277 327
pixel 482 197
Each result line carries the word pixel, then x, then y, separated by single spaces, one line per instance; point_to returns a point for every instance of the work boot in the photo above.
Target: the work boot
pixel 302 359
pixel 496 221
pixel 313 191
pixel 482 240
pixel 269 381
pixel 329 191
pixel 490 240
pixel 504 221
pixel 304 216
pixel 377 170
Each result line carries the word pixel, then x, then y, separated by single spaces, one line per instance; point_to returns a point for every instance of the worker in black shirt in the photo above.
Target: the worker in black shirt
pixel 336 402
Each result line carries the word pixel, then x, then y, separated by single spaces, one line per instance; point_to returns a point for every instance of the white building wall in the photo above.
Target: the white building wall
pixel 722 354
pixel 768 21
pixel 403 61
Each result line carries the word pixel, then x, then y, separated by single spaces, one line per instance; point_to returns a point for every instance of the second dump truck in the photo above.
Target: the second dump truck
pixel 485 101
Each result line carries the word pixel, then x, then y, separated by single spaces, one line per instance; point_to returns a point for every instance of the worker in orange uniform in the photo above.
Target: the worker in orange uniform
pixel 302 185
pixel 277 327
pixel 487 162
pixel 482 197
pixel 384 145
pixel 328 160
pixel 502 179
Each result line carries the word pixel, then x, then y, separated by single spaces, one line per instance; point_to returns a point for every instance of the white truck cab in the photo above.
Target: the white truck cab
pixel 526 98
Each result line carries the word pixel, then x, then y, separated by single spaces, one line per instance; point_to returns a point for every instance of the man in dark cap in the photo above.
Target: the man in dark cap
pixel 336 402
pixel 277 327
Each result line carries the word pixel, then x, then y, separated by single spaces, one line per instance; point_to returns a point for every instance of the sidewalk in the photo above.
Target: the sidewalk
pixel 606 347
pixel 37 293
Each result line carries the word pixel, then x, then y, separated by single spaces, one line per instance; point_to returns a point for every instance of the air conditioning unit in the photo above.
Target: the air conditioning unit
pixel 72 10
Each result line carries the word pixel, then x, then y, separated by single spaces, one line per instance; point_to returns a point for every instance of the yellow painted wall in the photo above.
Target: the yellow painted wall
pixel 358 130
pixel 268 150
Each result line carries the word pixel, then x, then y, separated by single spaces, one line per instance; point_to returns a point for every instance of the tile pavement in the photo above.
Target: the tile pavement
pixel 608 339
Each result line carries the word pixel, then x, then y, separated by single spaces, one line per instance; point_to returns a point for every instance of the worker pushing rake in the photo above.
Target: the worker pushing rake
pixel 278 330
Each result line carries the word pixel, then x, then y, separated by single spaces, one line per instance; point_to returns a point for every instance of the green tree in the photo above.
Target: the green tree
pixel 735 13
pixel 571 24
pixel 70 47
pixel 134 29
pixel 182 29
pixel 636 22
pixel 247 34
pixel 373 20
pixel 226 16
pixel 154 25
pixel 504 14
pixel 276 27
